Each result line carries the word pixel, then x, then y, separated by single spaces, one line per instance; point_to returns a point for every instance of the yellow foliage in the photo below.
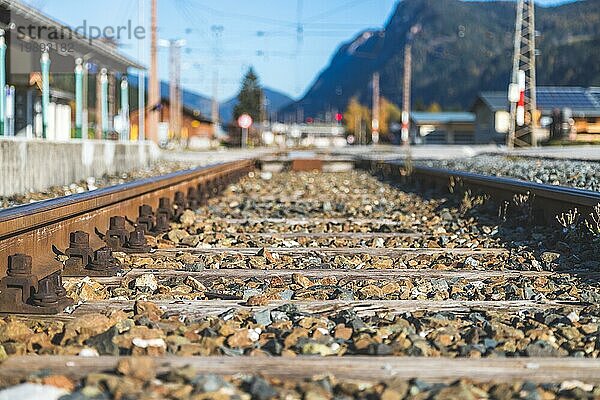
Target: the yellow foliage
pixel 389 113
pixel 355 115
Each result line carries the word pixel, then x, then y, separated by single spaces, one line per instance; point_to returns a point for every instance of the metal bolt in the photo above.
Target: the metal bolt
pixel 146 218
pixel 116 230
pixel 137 237
pixel 19 265
pixel 180 199
pixel 164 202
pixel 58 283
pixel 103 260
pixel 192 196
pixel 117 222
pixel 137 241
pixel 164 207
pixel 46 293
pixel 162 223
pixel 145 210
pixel 180 205
pixel 79 239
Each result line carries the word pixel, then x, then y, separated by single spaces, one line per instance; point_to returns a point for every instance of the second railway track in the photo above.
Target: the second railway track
pixel 228 261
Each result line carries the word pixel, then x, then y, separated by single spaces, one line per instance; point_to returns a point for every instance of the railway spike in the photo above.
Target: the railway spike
pixel 145 218
pixel 80 253
pixel 137 242
pixel 162 224
pixel 202 193
pixel 117 235
pixel 164 207
pixel 192 197
pixel 180 205
pixel 46 294
pixel 104 264
pixel 22 293
pixel 58 284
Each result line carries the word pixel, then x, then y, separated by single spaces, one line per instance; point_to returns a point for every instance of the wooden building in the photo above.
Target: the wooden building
pixel 196 129
pixel 27 31
pixel 442 127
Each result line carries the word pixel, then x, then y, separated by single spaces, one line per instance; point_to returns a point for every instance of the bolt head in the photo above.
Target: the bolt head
pixel 80 237
pixel 117 222
pixel 145 210
pixel 19 264
pixel 103 255
pixel 164 202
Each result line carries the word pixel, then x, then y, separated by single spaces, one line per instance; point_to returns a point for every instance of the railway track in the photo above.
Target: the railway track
pixel 362 275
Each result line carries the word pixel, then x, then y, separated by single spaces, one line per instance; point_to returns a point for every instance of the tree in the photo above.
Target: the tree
pixel 250 97
pixel 356 115
pixel 434 107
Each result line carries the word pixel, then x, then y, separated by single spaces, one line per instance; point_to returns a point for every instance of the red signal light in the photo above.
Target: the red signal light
pixel 339 117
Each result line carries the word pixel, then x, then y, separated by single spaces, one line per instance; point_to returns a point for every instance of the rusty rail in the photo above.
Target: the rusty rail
pixel 88 227
pixel 546 201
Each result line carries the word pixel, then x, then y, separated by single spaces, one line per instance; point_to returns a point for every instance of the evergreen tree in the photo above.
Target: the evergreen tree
pixel 250 97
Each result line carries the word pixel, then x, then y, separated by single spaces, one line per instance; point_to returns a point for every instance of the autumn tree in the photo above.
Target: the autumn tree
pixel 434 107
pixel 357 116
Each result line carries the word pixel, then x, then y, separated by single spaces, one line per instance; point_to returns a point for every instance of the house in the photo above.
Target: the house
pixel 491 117
pixel 442 127
pixel 197 131
pixel 577 110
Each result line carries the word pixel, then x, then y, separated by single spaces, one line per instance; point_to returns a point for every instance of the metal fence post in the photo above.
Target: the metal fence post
pixel 78 98
pixel 45 61
pixel 2 80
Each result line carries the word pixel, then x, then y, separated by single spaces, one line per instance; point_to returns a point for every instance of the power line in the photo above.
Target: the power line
pixel 245 17
pixel 332 11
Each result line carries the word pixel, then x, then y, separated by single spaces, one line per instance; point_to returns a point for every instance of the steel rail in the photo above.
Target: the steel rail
pixel 39 229
pixel 546 201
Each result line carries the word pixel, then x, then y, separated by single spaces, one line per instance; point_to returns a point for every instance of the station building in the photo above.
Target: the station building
pixel 442 127
pixel 28 33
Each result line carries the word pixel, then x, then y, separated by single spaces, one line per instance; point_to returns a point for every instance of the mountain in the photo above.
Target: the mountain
pixel 463 48
pixel 191 100
pixel 275 101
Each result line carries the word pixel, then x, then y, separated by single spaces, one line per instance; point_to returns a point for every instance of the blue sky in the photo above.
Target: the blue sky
pixel 229 35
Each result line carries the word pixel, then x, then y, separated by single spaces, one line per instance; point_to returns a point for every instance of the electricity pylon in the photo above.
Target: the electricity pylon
pixel 522 90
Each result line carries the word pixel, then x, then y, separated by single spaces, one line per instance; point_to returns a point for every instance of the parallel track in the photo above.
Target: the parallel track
pixel 35 229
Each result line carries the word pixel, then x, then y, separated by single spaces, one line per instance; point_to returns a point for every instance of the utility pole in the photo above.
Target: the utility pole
pixel 522 90
pixel 154 89
pixel 217 31
pixel 215 117
pixel 376 109
pixel 406 94
pixel 407 85
pixel 175 106
pixel 142 76
pixel 299 42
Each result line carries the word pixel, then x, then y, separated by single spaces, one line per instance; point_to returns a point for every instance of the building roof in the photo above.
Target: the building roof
pixel 582 101
pixel 496 101
pixel 595 93
pixel 442 117
pixel 190 111
pixel 99 47
pixel 575 98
